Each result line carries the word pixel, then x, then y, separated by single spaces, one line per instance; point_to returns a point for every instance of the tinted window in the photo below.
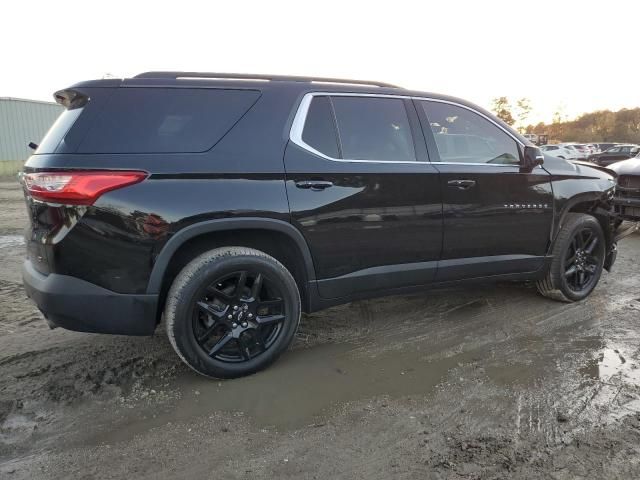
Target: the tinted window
pixel 613 150
pixel 165 120
pixel 463 136
pixel 58 130
pixel 373 129
pixel 319 129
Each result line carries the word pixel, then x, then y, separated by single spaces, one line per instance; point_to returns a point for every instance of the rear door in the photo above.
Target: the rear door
pixel 363 193
pixel 497 217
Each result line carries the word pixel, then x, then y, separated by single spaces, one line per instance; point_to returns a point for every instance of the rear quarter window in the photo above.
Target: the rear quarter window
pixel 319 130
pixel 165 120
pixel 58 130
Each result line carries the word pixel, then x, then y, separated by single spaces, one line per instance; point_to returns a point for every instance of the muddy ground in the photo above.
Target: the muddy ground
pixel 482 382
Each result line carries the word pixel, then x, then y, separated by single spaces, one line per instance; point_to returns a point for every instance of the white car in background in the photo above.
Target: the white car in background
pixel 560 151
pixel 593 148
pixel 581 151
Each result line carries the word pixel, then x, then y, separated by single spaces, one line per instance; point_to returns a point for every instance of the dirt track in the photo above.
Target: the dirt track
pixel 483 382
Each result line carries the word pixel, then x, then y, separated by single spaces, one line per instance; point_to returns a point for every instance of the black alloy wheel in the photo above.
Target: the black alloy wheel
pixel 232 311
pixel 577 259
pixel 239 317
pixel 582 261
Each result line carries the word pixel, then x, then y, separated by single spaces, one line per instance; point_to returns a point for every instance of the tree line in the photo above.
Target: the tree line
pixel 600 126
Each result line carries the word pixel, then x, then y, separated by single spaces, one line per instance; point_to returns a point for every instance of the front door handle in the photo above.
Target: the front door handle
pixel 462 184
pixel 314 184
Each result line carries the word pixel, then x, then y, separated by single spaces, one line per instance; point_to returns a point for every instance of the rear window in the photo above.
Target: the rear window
pixel 165 120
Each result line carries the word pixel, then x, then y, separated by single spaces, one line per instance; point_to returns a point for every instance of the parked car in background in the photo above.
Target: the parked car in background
pixel 615 154
pixel 536 139
pixel 593 148
pixel 604 146
pixel 559 151
pixel 581 150
pixel 627 197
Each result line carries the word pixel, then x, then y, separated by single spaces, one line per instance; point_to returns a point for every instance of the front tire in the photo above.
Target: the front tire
pixel 232 311
pixel 578 260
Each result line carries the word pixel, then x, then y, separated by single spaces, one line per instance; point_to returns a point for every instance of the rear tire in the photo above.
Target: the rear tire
pixel 578 260
pixel 232 311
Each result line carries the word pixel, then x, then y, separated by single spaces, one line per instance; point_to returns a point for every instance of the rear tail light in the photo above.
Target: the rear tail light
pixel 78 188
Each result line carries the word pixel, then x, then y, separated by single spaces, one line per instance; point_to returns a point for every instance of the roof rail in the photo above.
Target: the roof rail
pixel 248 76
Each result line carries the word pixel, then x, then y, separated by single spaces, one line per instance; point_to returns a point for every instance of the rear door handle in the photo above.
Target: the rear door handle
pixel 314 184
pixel 462 184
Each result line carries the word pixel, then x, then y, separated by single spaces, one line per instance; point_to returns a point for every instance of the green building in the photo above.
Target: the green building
pixel 21 122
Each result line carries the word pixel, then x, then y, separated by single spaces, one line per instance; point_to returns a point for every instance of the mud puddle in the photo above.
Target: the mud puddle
pixel 11 241
pixel 302 390
pixel 612 364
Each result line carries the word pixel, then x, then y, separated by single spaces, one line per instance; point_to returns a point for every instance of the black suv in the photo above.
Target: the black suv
pixel 614 154
pixel 228 204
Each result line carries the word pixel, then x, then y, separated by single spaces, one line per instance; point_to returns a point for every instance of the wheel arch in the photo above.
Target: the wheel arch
pixel 590 203
pixel 275 237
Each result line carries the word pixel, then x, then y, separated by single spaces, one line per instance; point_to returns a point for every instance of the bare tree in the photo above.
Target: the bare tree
pixel 523 111
pixel 502 108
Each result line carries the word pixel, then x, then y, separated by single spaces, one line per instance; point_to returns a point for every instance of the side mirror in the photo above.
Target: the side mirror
pixel 532 158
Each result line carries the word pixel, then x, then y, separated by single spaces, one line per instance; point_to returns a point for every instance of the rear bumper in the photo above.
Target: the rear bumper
pixel 75 304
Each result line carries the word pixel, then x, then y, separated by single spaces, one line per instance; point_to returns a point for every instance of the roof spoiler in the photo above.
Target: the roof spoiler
pixel 70 98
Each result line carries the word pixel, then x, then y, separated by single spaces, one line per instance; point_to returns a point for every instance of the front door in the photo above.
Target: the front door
pixel 497 217
pixel 363 193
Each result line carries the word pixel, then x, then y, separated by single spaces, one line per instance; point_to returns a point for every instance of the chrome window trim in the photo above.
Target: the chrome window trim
pixel 297 127
pixel 477 113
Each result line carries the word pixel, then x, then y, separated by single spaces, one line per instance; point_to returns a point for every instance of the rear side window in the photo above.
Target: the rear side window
pixel 359 128
pixel 165 120
pixel 373 128
pixel 319 129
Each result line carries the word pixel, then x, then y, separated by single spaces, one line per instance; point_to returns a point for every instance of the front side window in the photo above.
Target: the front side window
pixel 463 136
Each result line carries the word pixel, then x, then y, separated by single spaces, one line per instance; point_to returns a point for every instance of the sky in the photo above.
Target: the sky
pixel 577 56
